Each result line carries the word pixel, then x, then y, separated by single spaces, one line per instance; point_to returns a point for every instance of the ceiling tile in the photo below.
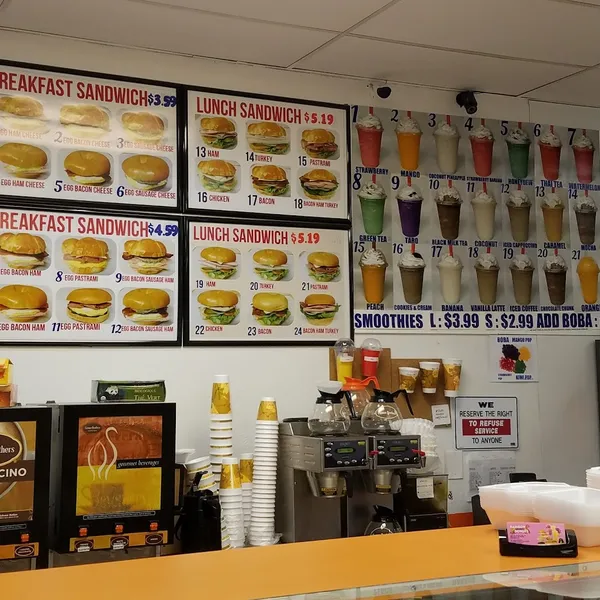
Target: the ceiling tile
pixel 535 29
pixel 157 27
pixel 335 15
pixel 410 64
pixel 582 88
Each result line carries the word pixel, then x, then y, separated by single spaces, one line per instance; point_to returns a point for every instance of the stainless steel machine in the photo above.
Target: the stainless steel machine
pixel 327 485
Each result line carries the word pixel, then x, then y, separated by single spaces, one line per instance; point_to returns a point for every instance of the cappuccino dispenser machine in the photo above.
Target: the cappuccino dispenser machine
pixel 117 476
pixel 27 435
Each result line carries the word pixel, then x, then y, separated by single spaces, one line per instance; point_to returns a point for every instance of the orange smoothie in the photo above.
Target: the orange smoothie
pixel 587 269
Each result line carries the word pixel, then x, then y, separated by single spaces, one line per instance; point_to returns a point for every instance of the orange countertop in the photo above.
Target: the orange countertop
pixel 252 573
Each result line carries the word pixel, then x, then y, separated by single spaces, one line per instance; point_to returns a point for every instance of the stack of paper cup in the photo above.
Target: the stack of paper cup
pixel 230 498
pixel 221 424
pixel 199 465
pixel 246 473
pixel 266 441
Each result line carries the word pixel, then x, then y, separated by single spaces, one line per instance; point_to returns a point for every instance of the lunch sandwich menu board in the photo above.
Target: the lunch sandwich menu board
pixel 263 284
pixel 471 225
pixel 87 139
pixel 76 277
pixel 266 157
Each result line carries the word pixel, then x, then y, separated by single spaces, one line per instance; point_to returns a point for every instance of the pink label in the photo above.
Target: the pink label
pixel 536 534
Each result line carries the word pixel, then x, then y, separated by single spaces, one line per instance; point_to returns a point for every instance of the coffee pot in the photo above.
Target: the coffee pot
pixel 328 416
pixel 382 415
pixel 383 521
pixel 357 395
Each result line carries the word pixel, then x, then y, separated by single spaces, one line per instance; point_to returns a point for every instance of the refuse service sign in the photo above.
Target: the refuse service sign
pixel 484 423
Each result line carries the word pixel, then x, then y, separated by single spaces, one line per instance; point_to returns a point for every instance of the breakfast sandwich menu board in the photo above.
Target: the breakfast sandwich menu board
pixel 266 157
pixel 67 137
pixel 267 284
pixel 469 224
pixel 88 278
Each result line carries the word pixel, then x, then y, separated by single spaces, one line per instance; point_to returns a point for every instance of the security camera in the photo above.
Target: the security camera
pixel 467 101
pixel 384 91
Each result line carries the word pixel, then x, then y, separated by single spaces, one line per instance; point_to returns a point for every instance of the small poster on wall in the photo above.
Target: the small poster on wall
pixel 513 358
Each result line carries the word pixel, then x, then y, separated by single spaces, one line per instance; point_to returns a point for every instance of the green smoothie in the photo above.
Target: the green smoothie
pixel 518 143
pixel 372 205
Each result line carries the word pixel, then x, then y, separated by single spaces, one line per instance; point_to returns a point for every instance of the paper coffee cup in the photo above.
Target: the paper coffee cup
pixel 246 468
pixel 267 410
pixel 408 378
pixel 452 369
pixel 226 418
pixel 430 372
pixel 221 401
pixel 230 474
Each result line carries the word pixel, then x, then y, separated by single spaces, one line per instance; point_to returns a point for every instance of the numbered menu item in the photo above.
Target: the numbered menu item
pixel 87 139
pixel 473 224
pixel 266 284
pixel 72 277
pixel 266 157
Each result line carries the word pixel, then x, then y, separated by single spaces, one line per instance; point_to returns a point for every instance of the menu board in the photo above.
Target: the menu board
pixel 87 139
pixel 88 278
pixel 267 284
pixel 266 157
pixel 473 225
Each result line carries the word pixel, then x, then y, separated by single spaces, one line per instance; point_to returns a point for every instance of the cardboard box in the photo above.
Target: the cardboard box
pixel 8 395
pixel 129 391
pixel 5 371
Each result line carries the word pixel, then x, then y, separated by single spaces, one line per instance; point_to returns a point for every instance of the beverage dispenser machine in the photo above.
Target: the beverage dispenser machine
pixel 117 476
pixel 26 494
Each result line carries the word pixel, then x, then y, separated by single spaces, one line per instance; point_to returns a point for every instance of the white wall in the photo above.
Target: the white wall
pixel 558 417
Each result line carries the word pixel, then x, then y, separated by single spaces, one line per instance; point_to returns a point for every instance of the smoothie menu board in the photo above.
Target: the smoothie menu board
pixel 266 157
pixel 469 224
pixel 75 277
pixel 264 284
pixel 87 139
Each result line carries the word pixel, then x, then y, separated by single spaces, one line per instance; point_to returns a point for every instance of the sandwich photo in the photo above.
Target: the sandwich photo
pixel 319 143
pixel 87 167
pixel 219 306
pixel 23 160
pixel 218 132
pixel 270 180
pixel 268 138
pixel 84 120
pixel 89 305
pixel 143 126
pixel 319 184
pixel 319 309
pixel 323 266
pixel 217 175
pixel 23 250
pixel 147 256
pixel 217 262
pixel 85 256
pixel 145 172
pixel 146 306
pixel 269 308
pixel 22 303
pixel 271 264
pixel 23 113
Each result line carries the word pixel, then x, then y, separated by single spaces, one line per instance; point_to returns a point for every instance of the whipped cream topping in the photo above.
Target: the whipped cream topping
pixel 481 132
pixel 372 191
pixel 369 122
pixel 449 261
pixel 552 200
pixel 408 259
pixel 482 198
pixel 408 125
pixel 487 261
pixel 373 258
pixel 585 204
pixel 446 130
pixel 518 198
pixel 555 263
pixel 550 139
pixel 448 195
pixel 518 136
pixel 521 262
pixel 583 142
pixel 408 193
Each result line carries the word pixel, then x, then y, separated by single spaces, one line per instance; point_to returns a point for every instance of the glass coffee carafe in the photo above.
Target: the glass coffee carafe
pixel 357 395
pixel 328 416
pixel 382 415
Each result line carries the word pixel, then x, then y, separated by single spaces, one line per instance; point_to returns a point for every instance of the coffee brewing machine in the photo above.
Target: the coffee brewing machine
pixel 334 468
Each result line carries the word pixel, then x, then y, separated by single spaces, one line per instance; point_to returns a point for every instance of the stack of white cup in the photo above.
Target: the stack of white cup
pixel 221 424
pixel 246 473
pixel 198 465
pixel 266 441
pixel 230 498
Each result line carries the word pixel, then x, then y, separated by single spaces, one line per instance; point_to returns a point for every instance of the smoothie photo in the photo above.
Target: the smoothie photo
pixel 552 209
pixel 482 146
pixel 372 199
pixel 408 135
pixel 487 270
pixel 521 270
pixel 450 268
pixel 518 142
pixel 587 270
pixel 555 269
pixel 370 130
pixel 484 209
pixel 550 146
pixel 409 205
pixel 446 138
pixel 412 267
pixel 519 207
pixel 372 266
pixel 585 213
pixel 448 203
pixel 583 152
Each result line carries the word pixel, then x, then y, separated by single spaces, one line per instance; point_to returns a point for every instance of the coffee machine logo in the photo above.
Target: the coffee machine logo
pixel 10 449
pixel 101 471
